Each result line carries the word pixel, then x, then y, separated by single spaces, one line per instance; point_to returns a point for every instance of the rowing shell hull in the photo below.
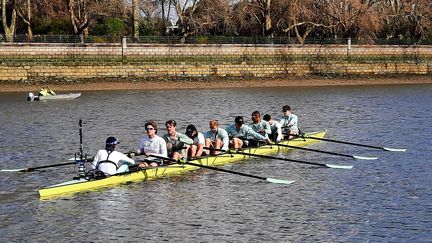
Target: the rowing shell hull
pixel 174 169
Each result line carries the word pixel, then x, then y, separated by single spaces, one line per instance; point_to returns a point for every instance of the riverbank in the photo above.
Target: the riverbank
pixel 209 83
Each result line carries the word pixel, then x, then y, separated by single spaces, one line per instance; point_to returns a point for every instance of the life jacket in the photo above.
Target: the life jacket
pixel 107 162
pixel 43 92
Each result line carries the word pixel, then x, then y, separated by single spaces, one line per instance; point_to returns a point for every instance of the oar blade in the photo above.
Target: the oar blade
pixel 278 181
pixel 13 170
pixel 346 167
pixel 364 157
pixel 394 149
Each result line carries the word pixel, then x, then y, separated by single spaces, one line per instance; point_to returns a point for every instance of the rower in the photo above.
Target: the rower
pixel 150 144
pixel 43 92
pixel 289 122
pixel 196 149
pixel 240 134
pixel 216 138
pixel 175 141
pixel 276 128
pixel 110 161
pixel 260 126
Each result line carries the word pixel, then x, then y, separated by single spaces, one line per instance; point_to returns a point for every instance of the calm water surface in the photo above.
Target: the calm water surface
pixel 386 200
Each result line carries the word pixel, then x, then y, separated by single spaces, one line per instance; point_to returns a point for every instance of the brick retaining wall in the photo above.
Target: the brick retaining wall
pixel 22 62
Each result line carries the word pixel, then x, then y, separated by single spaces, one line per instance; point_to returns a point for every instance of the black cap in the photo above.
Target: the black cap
pixel 112 141
pixel 190 129
pixel 239 120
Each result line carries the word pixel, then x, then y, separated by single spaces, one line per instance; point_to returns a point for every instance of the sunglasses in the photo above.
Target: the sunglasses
pixel 149 128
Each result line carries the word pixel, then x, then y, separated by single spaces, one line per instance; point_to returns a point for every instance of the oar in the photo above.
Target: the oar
pixel 326 152
pixel 350 143
pixel 348 167
pixel 278 181
pixel 37 167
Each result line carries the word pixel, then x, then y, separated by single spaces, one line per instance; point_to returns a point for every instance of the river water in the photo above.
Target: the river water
pixel 384 200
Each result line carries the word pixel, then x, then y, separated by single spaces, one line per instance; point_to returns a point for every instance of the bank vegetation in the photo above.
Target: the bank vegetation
pixel 407 21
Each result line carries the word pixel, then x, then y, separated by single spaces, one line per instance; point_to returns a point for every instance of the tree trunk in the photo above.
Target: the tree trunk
pixel 268 21
pixel 25 16
pixel 79 20
pixel 9 30
pixel 29 29
pixel 135 18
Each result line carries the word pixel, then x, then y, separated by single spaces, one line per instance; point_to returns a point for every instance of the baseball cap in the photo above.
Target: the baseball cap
pixel 239 120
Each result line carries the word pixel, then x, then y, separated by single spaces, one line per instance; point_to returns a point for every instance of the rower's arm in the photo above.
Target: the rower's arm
pixel 184 138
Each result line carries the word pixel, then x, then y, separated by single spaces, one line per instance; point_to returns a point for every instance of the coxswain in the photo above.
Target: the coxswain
pixel 109 160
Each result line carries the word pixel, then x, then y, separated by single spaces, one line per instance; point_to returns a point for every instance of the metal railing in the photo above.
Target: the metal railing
pixel 74 39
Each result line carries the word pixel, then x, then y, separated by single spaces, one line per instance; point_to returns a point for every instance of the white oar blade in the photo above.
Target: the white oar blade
pixel 364 157
pixel 12 170
pixel 394 149
pixel 346 167
pixel 277 181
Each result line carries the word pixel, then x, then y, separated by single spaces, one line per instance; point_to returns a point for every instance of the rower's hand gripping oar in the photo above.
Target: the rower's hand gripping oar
pixel 272 180
pixel 326 152
pixel 350 143
pixel 348 167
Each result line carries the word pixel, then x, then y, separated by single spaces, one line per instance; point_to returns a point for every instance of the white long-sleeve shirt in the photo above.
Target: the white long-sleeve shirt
pixel 155 145
pixel 116 157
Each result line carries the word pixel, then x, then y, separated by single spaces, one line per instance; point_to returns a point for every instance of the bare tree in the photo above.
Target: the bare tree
pixel 185 13
pixel 82 13
pixel 211 17
pixel 79 17
pixel 24 8
pixel 349 18
pixel 153 15
pixel 245 18
pixel 9 29
pixel 264 16
pixel 135 17
pixel 406 19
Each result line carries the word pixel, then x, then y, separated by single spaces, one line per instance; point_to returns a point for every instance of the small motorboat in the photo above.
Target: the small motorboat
pixel 32 97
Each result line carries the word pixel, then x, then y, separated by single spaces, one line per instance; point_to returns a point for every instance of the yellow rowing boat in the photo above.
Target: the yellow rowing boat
pixel 78 185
